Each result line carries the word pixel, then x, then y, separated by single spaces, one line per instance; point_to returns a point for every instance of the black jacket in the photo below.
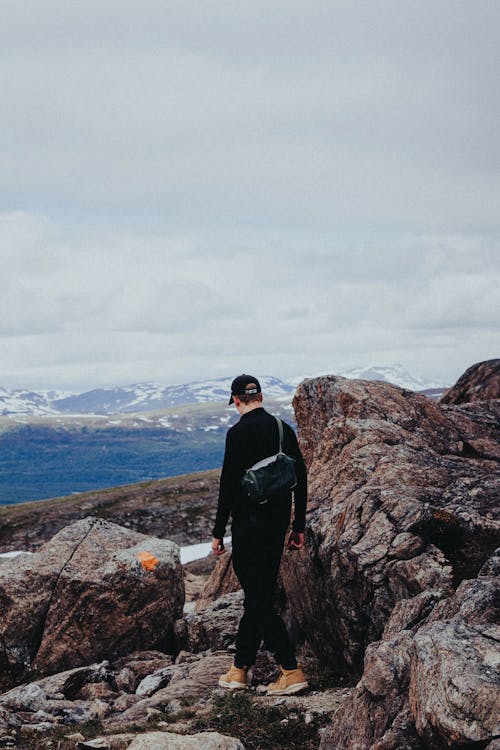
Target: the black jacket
pixel 253 438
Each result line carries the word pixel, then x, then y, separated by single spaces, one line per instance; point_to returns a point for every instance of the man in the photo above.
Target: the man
pixel 258 534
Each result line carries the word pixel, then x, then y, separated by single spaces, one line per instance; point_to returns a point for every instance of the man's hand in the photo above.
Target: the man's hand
pixel 218 546
pixel 295 540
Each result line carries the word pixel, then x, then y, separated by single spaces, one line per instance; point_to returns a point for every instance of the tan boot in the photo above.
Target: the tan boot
pixel 290 681
pixel 235 679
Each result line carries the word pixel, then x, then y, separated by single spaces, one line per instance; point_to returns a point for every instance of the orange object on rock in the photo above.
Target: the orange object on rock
pixel 148 561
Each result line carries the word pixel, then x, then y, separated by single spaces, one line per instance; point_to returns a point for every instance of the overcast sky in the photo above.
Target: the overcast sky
pixel 190 190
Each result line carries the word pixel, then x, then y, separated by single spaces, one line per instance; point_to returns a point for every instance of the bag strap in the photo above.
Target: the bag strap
pixel 280 432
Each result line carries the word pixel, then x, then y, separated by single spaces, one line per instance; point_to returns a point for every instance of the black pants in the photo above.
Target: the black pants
pixel 257 541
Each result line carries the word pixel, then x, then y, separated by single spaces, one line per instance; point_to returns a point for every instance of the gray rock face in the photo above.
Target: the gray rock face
pixel 214 627
pixel 432 681
pixel 403 499
pixel 479 383
pixel 200 741
pixel 95 590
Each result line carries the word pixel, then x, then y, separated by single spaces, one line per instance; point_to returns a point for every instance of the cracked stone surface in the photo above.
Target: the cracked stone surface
pixel 432 681
pixel 403 499
pixel 85 595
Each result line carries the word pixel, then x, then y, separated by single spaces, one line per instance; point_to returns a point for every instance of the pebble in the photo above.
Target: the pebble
pixel 100 743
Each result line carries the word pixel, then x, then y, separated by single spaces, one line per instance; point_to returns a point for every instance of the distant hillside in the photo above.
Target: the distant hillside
pixel 180 508
pixel 131 399
pixel 44 457
pixel 146 397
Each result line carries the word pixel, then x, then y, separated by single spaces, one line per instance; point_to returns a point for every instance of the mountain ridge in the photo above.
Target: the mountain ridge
pixel 152 396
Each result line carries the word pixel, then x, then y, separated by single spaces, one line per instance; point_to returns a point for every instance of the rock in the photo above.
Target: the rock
pixel 397 506
pixel 193 680
pixel 89 593
pixel 99 742
pixel 169 741
pixel 142 663
pixel 124 701
pixel 214 627
pixel 434 683
pixel 492 566
pixel 185 656
pixel 155 681
pixel 126 680
pixel 96 691
pixel 193 585
pixel 54 699
pixel 454 691
pixel 120 740
pixel 221 581
pixel 480 382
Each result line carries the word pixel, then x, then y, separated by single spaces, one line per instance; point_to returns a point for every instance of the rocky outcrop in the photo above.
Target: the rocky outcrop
pixel 214 627
pixel 173 697
pixel 221 581
pixel 480 382
pixel 399 505
pixel 402 525
pixel 96 590
pixel 432 681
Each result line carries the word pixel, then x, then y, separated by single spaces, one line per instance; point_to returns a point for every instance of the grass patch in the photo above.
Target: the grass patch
pixel 261 727
pixel 31 739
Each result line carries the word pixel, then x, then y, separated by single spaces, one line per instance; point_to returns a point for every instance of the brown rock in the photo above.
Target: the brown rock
pixel 96 691
pixel 222 581
pixel 124 701
pixel 433 684
pixel 193 680
pixel 142 663
pixel 170 741
pixel 480 382
pixel 454 694
pixel 214 627
pixel 86 595
pixel 193 585
pixel 126 680
pixel 396 507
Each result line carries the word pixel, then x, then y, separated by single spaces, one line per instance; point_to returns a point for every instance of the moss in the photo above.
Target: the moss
pixel 261 727
pixel 31 739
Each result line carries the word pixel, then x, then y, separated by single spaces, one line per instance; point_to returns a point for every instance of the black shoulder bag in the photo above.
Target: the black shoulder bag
pixel 271 476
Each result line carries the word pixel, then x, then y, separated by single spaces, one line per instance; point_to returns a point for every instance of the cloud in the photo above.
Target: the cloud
pixel 188 187
pixel 126 306
pixel 332 113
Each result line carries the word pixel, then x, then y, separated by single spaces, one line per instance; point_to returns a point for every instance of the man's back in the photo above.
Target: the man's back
pixel 254 437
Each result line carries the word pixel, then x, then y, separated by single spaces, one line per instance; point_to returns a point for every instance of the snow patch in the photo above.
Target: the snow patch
pixel 198 551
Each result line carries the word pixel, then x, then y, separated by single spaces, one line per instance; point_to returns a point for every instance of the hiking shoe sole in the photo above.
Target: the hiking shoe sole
pixel 290 689
pixel 231 685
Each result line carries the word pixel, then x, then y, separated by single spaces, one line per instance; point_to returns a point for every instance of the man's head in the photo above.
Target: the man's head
pixel 245 389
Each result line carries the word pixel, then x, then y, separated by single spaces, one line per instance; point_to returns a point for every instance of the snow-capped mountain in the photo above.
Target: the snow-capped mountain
pixel 29 403
pixel 144 397
pixel 395 374
pixel 152 396
pixel 141 397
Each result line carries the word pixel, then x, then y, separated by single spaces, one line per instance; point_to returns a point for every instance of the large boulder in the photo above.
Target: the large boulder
pixel 480 382
pixel 95 590
pixel 403 499
pixel 432 681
